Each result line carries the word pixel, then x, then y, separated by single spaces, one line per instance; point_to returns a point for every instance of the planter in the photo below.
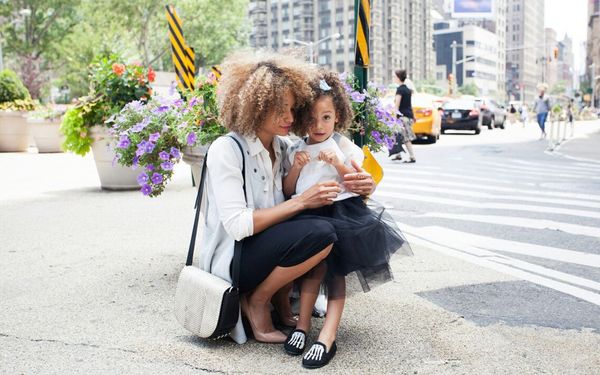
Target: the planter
pixel 46 135
pixel 113 176
pixel 194 156
pixel 14 132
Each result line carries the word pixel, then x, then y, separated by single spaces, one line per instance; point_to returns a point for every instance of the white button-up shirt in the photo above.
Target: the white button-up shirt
pixel 227 215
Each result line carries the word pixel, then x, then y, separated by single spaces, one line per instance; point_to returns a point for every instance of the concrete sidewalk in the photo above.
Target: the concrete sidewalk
pixel 88 279
pixel 585 146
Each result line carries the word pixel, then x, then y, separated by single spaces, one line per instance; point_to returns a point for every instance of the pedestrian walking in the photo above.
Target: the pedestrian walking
pixel 541 107
pixel 524 114
pixel 403 104
pixel 512 114
pixel 367 237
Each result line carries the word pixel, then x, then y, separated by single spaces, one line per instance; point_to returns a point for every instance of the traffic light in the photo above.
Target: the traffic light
pixel 555 51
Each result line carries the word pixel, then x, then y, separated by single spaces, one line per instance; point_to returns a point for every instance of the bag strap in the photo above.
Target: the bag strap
pixel 237 252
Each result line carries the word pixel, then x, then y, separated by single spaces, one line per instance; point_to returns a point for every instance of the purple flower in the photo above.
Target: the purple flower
pixel 124 142
pixel 177 103
pixel 167 166
pixel 173 88
pixel 193 101
pixel 343 76
pixel 389 142
pixel 149 147
pixel 157 178
pixel 142 178
pixel 154 137
pixel 191 138
pixel 175 153
pixel 161 109
pixel 376 136
pixel 141 125
pixel 164 155
pixel 150 167
pixel 146 189
pixel 136 105
pixel 357 97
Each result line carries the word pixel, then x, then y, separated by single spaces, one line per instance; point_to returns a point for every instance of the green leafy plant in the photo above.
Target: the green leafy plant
pixel 112 86
pixel 47 113
pixel 75 129
pixel 13 94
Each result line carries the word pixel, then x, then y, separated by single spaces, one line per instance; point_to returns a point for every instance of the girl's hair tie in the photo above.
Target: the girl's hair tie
pixel 324 86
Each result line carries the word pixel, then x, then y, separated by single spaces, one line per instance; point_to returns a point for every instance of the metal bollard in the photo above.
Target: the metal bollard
pixel 551 137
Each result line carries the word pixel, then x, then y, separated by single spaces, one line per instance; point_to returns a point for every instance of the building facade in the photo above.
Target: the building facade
pixel 476 54
pixel 495 23
pixel 565 64
pixel 550 65
pixel 400 35
pixel 525 48
pixel 593 49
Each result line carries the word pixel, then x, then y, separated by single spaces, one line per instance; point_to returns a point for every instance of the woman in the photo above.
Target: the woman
pixel 258 96
pixel 403 104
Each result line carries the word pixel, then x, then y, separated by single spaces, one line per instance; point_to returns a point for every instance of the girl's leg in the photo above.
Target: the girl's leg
pixel 256 305
pixel 309 292
pixel 335 308
pixel 281 302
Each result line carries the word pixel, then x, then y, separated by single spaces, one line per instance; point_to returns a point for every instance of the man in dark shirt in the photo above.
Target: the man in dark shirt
pixel 404 105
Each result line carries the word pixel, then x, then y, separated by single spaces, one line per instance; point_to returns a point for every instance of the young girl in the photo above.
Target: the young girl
pixel 366 237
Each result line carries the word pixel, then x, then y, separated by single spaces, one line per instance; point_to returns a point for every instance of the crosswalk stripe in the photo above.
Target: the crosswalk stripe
pixel 392 176
pixel 546 172
pixel 583 294
pixel 445 235
pixel 487 205
pixel 545 165
pixel 437 175
pixel 479 194
pixel 520 222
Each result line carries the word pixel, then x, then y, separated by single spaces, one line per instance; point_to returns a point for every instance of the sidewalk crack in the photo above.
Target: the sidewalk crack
pixel 68 343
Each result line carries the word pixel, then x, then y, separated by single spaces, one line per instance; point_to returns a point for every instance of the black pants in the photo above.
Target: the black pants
pixel 285 244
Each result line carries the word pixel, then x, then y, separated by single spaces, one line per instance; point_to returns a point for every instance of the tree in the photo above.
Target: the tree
pixel 33 30
pixel 469 89
pixel 558 88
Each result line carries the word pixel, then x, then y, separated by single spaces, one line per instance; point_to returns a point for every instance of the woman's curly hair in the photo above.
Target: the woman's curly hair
pixel 341 103
pixel 253 85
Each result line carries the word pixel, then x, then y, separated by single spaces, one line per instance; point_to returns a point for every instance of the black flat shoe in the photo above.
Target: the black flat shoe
pixel 295 343
pixel 317 357
pixel 410 161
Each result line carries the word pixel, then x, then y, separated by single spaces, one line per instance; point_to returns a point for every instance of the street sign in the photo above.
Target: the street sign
pixel 183 55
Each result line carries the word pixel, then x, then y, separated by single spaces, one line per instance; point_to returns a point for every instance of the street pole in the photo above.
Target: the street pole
pixel 593 85
pixel 454 83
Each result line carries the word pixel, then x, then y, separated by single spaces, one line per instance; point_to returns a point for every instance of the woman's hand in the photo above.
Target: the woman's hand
pixel 360 182
pixel 320 194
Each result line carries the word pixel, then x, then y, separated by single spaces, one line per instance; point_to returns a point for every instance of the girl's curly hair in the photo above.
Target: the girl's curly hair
pixel 253 85
pixel 337 93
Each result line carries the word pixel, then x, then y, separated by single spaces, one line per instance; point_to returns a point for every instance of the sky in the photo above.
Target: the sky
pixel 569 16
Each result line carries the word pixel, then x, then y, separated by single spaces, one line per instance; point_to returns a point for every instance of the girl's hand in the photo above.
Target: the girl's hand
pixel 301 158
pixel 360 182
pixel 329 157
pixel 320 194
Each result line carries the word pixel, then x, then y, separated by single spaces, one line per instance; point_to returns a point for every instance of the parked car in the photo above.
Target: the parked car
pixel 461 114
pixel 493 114
pixel 428 118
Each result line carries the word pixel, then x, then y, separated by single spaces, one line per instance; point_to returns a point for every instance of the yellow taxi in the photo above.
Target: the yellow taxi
pixel 428 124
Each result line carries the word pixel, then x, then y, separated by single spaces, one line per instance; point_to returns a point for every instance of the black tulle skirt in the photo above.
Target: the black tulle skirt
pixel 368 236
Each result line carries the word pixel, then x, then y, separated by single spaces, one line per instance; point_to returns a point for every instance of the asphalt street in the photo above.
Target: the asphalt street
pixel 505 277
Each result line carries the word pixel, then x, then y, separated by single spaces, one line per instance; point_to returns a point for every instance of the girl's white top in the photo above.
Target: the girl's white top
pixel 319 171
